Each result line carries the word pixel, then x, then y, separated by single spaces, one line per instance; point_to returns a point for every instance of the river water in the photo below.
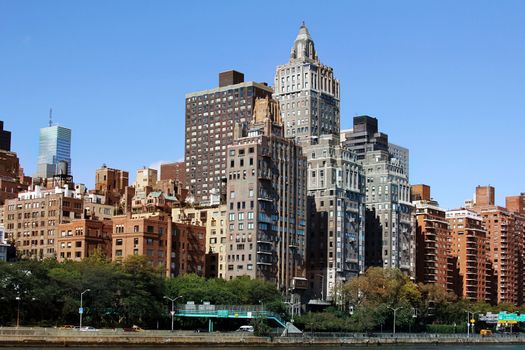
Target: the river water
pixel 382 347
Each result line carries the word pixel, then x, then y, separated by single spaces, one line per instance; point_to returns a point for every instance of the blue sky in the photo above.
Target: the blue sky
pixel 445 78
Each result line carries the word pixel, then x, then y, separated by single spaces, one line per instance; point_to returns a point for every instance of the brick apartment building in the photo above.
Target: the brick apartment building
pixel 214 219
pixel 432 238
pixel 83 238
pixel 189 246
pixel 149 235
pixel 468 250
pixel 505 234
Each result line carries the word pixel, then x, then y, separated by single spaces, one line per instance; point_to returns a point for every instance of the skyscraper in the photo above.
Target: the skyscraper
pixel 266 201
pixel 309 97
pixel 308 93
pixel 54 147
pixel 390 224
pixel 210 118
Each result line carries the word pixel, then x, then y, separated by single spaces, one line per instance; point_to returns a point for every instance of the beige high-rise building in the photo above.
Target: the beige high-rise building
pixel 32 219
pixel 266 201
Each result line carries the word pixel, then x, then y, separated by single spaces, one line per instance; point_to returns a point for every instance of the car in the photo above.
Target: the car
pixel 67 326
pixel 133 329
pixel 485 332
pixel 246 329
pixel 88 329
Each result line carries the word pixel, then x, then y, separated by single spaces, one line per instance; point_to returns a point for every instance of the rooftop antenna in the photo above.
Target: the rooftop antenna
pixel 50 116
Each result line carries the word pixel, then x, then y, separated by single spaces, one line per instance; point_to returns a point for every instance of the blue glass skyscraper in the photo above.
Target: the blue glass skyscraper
pixel 55 146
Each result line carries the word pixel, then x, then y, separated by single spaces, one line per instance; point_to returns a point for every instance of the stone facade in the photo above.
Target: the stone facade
pixel 308 93
pixel 32 219
pixel 266 201
pixel 336 238
pixel 390 224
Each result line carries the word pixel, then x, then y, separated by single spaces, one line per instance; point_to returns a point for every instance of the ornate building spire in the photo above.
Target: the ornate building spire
pixel 304 45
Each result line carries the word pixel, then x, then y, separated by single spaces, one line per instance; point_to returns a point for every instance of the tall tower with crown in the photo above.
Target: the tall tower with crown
pixel 308 93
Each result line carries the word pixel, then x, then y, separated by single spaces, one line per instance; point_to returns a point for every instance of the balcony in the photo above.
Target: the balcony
pixel 264 175
pixel 267 252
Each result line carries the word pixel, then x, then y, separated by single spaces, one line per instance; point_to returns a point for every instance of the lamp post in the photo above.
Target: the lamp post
pixel 468 321
pixel 81 309
pixel 18 311
pixel 395 311
pixel 172 308
pixel 414 316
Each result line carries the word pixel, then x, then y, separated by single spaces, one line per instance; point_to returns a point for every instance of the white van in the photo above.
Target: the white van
pixel 245 329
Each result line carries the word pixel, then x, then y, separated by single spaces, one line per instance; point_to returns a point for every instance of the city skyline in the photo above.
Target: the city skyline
pixel 370 85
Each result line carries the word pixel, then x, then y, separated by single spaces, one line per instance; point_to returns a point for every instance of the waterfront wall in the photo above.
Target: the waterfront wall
pixel 61 338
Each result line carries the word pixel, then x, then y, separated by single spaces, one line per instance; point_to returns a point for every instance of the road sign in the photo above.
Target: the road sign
pixel 505 317
pixel 172 313
pixel 80 310
pixel 489 317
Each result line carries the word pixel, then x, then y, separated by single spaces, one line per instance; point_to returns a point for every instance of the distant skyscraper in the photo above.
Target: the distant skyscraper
pixel 55 146
pixel 5 138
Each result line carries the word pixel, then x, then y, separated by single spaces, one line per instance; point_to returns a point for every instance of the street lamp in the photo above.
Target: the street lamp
pixel 395 311
pixel 81 309
pixel 468 321
pixel 172 308
pixel 414 316
pixel 18 311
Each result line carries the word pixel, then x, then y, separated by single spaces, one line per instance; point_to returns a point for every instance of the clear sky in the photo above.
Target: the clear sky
pixel 445 78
